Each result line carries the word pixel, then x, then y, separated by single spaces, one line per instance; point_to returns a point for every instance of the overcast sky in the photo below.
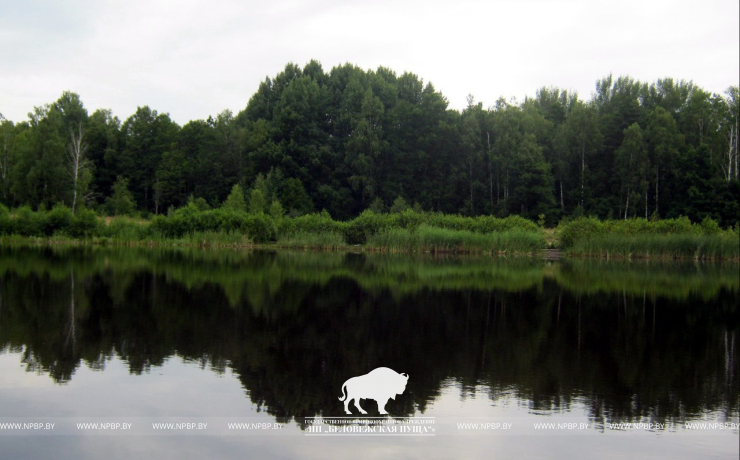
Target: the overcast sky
pixel 193 59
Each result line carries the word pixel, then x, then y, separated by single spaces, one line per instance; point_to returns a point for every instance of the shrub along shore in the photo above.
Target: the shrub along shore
pixel 641 238
pixel 408 231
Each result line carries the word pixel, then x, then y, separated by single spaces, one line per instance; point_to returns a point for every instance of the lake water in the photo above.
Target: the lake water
pixel 137 353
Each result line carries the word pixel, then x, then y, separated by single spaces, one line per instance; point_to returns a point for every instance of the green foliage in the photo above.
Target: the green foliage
pixel 682 245
pixel 5 224
pixel 367 224
pixel 399 205
pixel 276 211
pixel 631 163
pixel 646 238
pixel 320 223
pixel 440 240
pixel 312 240
pixel 126 229
pixel 147 157
pixel 84 224
pixel 40 173
pixel 351 140
pixel 172 175
pixel 27 222
pixel 235 201
pixel 59 219
pixel 405 231
pixel 189 220
pixel 257 202
pixel 260 228
pixel 294 198
pixel 709 226
pixel 200 203
pixel 377 206
pixel 121 202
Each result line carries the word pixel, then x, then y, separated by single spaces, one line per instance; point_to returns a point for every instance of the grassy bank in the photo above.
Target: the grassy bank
pixel 641 238
pixel 405 232
pixel 426 239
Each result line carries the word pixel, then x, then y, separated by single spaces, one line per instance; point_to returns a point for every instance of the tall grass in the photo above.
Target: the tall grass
pixel 640 238
pixel 442 240
pixel 677 246
pixel 302 239
pixel 407 231
pixel 126 230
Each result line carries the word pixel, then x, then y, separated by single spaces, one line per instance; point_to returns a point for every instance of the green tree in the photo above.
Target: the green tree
pixel 40 172
pixel 199 203
pixel 399 205
pixel 257 202
pixel 146 136
pixel 121 202
pixel 617 102
pixel 377 206
pixel 363 147
pixel 664 146
pixel 78 164
pixel 506 127
pixel 71 110
pixel 103 140
pixel 227 151
pixel 74 121
pixel 471 149
pixel 341 139
pixel 294 198
pixel 8 133
pixel 731 130
pixel 578 141
pixel 631 164
pixel 172 174
pixel 276 210
pixel 235 200
pixel 533 191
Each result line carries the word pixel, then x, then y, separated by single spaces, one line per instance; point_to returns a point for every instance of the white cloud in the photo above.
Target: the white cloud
pixel 196 58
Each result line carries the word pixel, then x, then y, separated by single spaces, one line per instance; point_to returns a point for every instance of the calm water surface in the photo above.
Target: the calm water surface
pixel 506 358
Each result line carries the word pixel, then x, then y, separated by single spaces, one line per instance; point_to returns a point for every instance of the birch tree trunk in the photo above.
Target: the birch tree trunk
pixel 583 167
pixel 490 168
pixel 627 208
pixel 657 179
pixel 76 150
pixel 5 167
pixel 731 153
pixel 562 201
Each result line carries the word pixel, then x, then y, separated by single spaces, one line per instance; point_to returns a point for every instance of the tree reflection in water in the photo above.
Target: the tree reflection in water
pixel 633 340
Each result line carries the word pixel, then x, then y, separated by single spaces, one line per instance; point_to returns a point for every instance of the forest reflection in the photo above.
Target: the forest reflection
pixel 634 341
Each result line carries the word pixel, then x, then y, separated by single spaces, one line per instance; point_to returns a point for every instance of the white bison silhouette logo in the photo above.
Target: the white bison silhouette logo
pixel 380 384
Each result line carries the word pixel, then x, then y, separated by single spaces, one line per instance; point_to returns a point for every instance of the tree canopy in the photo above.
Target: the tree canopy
pixel 352 139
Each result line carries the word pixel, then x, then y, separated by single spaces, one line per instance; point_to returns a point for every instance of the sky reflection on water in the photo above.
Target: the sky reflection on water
pixel 271 337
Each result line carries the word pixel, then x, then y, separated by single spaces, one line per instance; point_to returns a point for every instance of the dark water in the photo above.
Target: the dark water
pixel 622 359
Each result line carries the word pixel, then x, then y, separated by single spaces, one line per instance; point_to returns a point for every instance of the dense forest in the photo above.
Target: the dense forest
pixel 351 139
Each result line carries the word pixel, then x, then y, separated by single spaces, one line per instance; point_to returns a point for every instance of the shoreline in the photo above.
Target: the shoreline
pixel 547 254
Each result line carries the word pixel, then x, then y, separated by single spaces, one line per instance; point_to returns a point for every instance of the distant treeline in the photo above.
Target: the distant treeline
pixel 351 139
